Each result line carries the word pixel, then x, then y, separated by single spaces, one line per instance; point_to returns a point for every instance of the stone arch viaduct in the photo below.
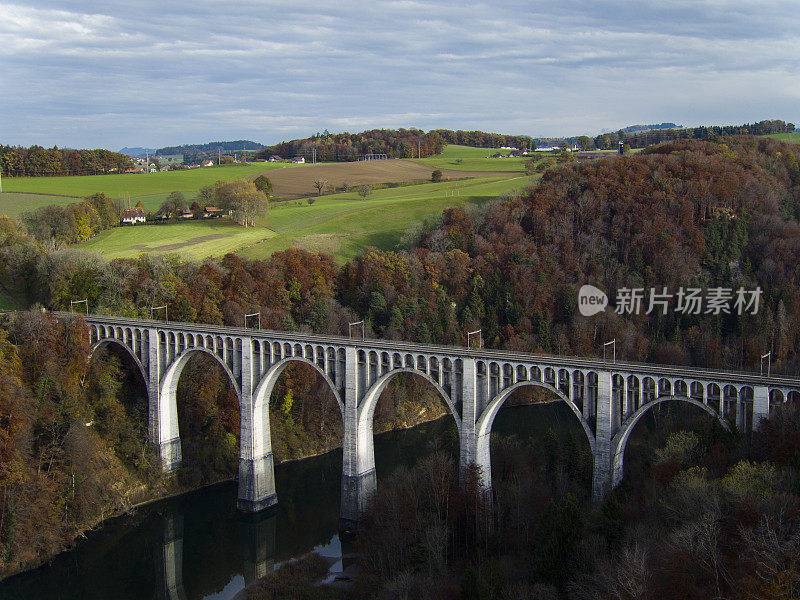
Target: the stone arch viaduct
pixel 607 398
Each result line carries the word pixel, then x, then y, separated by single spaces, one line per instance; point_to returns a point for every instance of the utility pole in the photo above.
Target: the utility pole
pixel 219 156
pixel 419 149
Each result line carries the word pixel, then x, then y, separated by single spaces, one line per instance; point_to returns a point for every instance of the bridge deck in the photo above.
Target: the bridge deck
pixel 556 361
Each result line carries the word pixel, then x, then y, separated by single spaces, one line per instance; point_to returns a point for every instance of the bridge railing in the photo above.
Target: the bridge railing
pixel 632 367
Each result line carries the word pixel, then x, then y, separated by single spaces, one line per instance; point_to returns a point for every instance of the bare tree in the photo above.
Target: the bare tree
pixel 320 184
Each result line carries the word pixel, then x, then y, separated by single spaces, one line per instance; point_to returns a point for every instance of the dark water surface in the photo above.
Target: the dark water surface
pixel 199 547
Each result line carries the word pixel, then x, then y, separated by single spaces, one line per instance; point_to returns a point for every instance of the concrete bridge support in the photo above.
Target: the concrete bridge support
pixel 256 468
pixel 601 477
pixel 359 480
pixel 163 415
pixel 760 404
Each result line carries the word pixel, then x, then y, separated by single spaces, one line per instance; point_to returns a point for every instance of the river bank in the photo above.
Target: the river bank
pixel 164 489
pixel 202 535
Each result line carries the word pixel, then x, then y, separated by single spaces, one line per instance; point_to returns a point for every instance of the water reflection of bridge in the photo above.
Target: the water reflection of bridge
pixel 256 537
pixel 607 398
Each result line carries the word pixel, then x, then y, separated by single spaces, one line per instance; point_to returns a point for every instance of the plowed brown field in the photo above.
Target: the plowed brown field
pixel 298 181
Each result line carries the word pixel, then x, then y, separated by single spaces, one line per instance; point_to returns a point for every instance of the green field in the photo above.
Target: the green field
pixel 13 204
pixel 339 224
pixel 193 240
pixel 150 188
pixel 473 159
pixel 792 138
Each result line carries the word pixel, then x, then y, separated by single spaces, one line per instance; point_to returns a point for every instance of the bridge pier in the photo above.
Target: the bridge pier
pixel 170 453
pixel 162 411
pixel 760 404
pixel 256 465
pixel 359 480
pixel 356 493
pixel 602 472
pixel 256 484
pixel 468 440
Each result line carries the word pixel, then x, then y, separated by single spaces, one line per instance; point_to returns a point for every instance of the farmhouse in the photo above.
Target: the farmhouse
pixel 208 163
pixel 133 216
pixel 299 160
pixel 275 158
pixel 212 212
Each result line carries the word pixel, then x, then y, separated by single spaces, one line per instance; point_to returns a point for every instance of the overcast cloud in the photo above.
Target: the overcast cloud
pixel 113 74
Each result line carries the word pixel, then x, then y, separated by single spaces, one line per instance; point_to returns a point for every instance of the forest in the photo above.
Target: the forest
pixel 195 153
pixel 642 139
pixel 18 161
pixel 687 212
pixel 395 143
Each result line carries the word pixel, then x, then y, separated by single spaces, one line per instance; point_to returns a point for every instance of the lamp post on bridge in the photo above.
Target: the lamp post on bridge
pixel 768 356
pixel 613 344
pixel 152 308
pixel 255 314
pixel 350 329
pixel 479 333
pixel 84 301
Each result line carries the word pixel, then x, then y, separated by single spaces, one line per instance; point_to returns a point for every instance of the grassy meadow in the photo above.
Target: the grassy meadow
pixel 340 224
pixel 193 240
pixel 343 224
pixel 465 158
pixel 150 188
pixel 13 204
pixel 792 138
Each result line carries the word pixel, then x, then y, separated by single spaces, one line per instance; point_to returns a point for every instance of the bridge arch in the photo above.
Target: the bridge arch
pixel 365 451
pixel 366 408
pixel 167 429
pixel 169 380
pixel 484 424
pixel 620 440
pixel 110 340
pixel 264 389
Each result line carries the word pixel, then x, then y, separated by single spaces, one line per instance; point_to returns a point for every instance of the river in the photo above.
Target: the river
pixel 197 546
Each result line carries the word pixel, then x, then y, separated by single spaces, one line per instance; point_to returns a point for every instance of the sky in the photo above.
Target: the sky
pixel 89 74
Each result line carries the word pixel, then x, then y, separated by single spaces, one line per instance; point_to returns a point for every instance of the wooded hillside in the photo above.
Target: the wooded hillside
pixel 688 213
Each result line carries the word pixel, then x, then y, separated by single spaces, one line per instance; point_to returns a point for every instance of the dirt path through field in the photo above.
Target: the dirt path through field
pixel 298 181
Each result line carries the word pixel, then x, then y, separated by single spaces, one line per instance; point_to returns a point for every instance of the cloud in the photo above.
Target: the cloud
pixel 114 74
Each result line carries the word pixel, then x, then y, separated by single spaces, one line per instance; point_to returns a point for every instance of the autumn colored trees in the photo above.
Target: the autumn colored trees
pixel 75 222
pixel 17 161
pixel 71 448
pixel 686 213
pixel 343 147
